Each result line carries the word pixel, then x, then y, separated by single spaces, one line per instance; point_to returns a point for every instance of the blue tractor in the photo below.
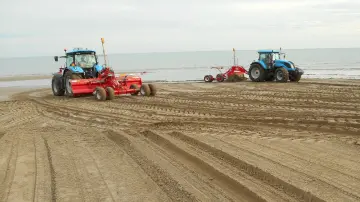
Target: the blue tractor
pixel 80 64
pixel 270 67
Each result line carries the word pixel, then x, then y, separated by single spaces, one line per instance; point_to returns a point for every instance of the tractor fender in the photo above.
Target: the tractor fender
pixel 261 63
pixel 98 68
pixel 57 75
pixel 282 65
pixel 76 69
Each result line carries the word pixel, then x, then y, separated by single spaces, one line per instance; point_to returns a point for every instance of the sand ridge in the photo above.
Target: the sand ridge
pixel 192 142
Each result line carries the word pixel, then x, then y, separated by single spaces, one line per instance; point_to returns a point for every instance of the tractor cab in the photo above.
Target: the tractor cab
pixel 268 57
pixel 81 61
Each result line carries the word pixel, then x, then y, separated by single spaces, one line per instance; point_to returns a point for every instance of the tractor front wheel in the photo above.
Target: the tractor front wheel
pixel 281 75
pixel 57 89
pixel 111 93
pixel 68 88
pixel 257 73
pixel 295 78
pixel 145 90
pixel 100 94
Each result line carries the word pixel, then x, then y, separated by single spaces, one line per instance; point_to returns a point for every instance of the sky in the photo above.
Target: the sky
pixel 43 27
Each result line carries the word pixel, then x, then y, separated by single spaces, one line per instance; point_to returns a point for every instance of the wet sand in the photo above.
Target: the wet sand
pixel 20 78
pixel 191 142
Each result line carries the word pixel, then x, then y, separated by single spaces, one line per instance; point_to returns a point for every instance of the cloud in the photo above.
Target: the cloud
pixel 41 27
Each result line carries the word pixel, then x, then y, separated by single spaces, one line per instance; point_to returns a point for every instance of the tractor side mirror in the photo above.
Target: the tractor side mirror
pixel 56 58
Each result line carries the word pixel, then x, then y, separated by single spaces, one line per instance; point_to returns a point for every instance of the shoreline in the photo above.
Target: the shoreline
pixel 24 77
pixel 39 77
pixel 7 92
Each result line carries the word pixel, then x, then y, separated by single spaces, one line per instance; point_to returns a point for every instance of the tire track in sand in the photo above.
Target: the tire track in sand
pixel 315 122
pixel 8 178
pixel 2 133
pixel 84 115
pixel 181 107
pixel 228 184
pixel 263 177
pixel 287 168
pixel 52 170
pixel 170 186
pixel 24 179
pixel 35 168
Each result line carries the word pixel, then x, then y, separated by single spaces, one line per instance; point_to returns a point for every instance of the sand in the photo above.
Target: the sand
pixel 191 142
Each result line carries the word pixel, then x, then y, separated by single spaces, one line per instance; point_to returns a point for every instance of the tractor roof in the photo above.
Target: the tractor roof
pixel 268 51
pixel 80 50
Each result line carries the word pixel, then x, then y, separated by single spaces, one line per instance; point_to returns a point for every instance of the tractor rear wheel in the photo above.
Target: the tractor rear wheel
pixel 57 89
pixel 69 76
pixel 281 75
pixel 257 73
pixel 145 90
pixel 100 94
pixel 111 93
pixel 152 89
pixel 134 86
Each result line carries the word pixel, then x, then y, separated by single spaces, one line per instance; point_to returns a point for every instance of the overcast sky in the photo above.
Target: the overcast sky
pixel 44 27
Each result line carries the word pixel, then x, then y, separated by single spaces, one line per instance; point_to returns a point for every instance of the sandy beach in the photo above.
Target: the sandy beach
pixel 191 142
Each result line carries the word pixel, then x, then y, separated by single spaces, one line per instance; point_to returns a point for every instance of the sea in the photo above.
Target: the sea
pixel 193 66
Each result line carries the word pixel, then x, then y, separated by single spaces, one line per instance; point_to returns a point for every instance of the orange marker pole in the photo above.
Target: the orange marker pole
pixel 102 42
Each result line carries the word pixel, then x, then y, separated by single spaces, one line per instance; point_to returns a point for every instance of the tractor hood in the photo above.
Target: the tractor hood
pixel 282 61
pixel 285 62
pixel 76 69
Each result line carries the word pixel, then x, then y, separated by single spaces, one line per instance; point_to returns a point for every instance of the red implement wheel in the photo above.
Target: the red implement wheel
pixel 208 78
pixel 211 78
pixel 100 94
pixel 145 90
pixel 152 89
pixel 220 78
pixel 134 86
pixel 111 93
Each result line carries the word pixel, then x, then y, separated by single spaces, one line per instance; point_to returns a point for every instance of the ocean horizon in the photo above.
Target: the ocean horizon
pixel 194 65
pixel 99 51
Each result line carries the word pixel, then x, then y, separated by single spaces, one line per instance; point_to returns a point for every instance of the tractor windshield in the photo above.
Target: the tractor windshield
pixel 85 60
pixel 276 56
